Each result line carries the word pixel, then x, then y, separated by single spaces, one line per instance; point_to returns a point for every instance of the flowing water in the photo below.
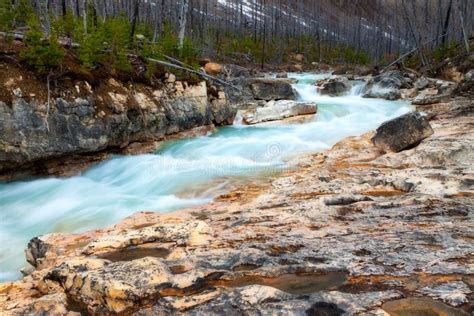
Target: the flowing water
pixel 174 177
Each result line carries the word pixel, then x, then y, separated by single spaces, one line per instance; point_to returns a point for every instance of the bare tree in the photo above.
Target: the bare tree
pixel 183 12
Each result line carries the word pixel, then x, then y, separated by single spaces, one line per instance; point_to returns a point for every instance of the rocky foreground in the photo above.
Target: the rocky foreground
pixel 352 230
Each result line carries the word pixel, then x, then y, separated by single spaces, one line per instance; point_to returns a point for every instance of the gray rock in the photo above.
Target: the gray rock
pixel 431 99
pixel 386 86
pixel 272 89
pixel 282 75
pixel 29 135
pixel 334 86
pixel 277 111
pixel 421 83
pixel 453 293
pixel 402 132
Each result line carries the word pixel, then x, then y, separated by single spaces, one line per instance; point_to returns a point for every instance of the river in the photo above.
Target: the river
pixel 182 173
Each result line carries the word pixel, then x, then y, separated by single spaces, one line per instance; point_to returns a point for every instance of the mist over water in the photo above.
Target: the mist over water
pixel 181 174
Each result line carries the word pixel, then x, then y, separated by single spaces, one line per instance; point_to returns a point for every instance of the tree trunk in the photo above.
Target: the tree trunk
pixel 84 13
pixel 463 27
pixel 134 20
pixel 446 22
pixel 182 21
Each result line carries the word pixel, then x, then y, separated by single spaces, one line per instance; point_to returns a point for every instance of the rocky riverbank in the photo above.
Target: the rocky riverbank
pixel 351 230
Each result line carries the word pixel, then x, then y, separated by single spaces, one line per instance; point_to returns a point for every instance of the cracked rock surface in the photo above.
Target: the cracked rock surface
pixel 349 231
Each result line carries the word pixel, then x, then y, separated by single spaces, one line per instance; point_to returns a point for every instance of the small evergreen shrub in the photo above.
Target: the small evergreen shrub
pixel 42 54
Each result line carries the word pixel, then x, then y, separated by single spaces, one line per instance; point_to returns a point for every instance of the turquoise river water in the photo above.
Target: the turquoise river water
pixel 181 174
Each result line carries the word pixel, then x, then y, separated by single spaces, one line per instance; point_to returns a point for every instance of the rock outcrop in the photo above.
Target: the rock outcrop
pixel 386 86
pixel 111 116
pixel 271 89
pixel 278 110
pixel 402 132
pixel 349 230
pixel 334 86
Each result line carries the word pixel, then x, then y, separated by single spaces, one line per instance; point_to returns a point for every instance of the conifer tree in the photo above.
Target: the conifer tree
pixel 42 54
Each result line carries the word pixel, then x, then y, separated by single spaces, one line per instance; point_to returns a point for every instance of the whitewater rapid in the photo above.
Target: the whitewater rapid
pixel 181 174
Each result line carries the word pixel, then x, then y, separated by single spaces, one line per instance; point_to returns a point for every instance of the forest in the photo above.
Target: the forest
pixel 240 31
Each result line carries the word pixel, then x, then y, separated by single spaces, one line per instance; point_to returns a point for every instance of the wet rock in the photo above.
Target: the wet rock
pixel 334 86
pixel 386 86
pixel 277 111
pixel 271 89
pixel 324 309
pixel 420 306
pixel 278 248
pixel 402 132
pixel 453 293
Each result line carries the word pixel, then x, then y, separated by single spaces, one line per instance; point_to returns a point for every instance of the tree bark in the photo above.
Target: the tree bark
pixel 183 12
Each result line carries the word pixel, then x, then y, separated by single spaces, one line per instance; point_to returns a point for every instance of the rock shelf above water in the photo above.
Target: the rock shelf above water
pixel 349 230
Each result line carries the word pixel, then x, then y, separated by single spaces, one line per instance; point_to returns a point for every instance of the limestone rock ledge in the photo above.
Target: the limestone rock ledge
pixel 111 116
pixel 347 231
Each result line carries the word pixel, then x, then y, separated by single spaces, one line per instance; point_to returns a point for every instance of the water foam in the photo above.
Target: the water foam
pixel 183 173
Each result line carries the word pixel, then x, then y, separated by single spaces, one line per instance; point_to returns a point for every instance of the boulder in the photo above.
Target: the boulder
pixel 402 132
pixel 386 86
pixel 421 83
pixel 278 110
pixel 282 75
pixel 272 89
pixel 334 86
pixel 213 69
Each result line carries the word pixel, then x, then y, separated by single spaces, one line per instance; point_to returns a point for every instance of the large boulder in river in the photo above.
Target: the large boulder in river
pixel 334 86
pixel 278 110
pixel 271 89
pixel 386 86
pixel 402 132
